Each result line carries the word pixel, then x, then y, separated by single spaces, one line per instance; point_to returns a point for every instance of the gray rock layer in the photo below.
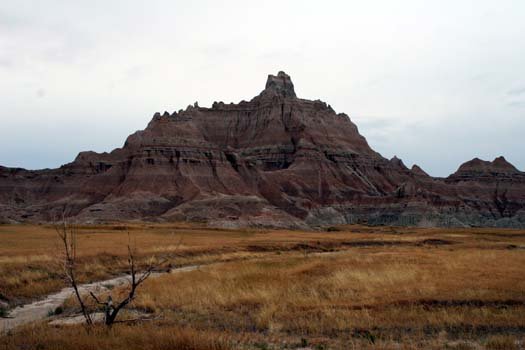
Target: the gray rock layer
pixel 274 161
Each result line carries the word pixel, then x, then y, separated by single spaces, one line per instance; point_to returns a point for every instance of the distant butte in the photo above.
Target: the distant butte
pixel 274 161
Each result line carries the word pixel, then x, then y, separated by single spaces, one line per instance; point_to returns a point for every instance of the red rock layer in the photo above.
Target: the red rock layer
pixel 276 160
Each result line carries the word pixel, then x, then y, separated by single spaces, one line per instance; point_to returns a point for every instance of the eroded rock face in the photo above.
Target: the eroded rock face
pixel 495 188
pixel 276 160
pixel 281 83
pixel 480 170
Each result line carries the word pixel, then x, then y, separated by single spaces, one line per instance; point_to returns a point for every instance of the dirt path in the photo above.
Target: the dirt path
pixel 40 310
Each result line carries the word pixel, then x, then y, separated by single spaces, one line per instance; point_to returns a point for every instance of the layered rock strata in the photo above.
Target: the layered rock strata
pixel 274 161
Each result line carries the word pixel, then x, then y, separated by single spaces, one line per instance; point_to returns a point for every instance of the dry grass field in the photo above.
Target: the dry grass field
pixel 349 287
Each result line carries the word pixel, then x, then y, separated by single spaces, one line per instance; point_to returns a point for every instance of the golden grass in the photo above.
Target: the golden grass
pixel 102 248
pixel 421 290
pixel 30 255
pixel 149 336
pixel 353 288
pixel 102 251
pixel 502 342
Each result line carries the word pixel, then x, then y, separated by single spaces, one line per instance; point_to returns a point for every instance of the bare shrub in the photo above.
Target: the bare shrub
pixel 67 234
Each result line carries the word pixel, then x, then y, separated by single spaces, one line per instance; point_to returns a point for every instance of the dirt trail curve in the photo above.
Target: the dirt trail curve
pixel 40 310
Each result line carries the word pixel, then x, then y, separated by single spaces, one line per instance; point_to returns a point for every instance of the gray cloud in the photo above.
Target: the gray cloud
pixel 517 91
pixel 516 104
pixel 6 63
pixel 40 93
pixel 9 21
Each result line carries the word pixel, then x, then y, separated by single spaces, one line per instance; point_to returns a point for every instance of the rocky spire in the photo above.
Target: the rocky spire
pixel 281 84
pixel 416 169
pixel 398 163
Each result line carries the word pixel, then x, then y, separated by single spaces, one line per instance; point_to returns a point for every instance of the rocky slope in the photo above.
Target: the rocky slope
pixel 276 160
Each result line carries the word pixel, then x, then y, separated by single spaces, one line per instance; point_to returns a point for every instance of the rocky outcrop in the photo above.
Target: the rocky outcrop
pixel 496 189
pixel 416 170
pixel 483 171
pixel 282 84
pixel 276 160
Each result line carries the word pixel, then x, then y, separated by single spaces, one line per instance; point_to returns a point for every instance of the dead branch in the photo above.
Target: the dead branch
pixel 68 236
pixel 111 309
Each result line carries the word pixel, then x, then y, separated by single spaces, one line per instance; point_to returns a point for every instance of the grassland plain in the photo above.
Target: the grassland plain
pixel 345 287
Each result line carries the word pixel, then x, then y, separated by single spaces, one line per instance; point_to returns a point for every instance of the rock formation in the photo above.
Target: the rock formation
pixel 276 160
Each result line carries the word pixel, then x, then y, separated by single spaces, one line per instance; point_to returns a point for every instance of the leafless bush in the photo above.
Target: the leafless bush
pixel 67 234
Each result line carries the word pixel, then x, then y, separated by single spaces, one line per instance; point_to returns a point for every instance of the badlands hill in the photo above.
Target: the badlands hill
pixel 277 160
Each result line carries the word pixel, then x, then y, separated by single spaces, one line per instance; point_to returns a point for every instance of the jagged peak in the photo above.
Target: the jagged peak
pixel 501 163
pixel 164 115
pixel 398 162
pixel 280 84
pixel 498 165
pixel 416 169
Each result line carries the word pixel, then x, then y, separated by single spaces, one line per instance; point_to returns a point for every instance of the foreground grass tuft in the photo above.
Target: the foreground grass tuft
pixel 122 337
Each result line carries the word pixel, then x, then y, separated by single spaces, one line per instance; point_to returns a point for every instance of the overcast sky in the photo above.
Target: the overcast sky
pixel 434 82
